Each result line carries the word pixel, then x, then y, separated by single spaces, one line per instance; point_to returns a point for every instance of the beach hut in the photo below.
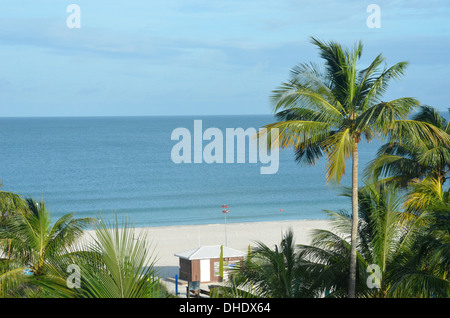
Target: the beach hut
pixel 201 264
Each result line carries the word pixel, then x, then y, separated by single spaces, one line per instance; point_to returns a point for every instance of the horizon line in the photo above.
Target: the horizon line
pixel 134 116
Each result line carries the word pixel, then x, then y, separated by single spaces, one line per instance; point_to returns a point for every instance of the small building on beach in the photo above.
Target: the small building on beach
pixel 201 264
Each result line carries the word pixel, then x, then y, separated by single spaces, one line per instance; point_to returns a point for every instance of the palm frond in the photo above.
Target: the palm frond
pixel 424 193
pixel 381 117
pixel 294 95
pixel 338 148
pixel 412 131
pixel 293 133
pixel 376 87
pixel 127 263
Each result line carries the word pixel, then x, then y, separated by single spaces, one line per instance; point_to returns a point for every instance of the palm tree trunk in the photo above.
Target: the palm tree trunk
pixel 352 274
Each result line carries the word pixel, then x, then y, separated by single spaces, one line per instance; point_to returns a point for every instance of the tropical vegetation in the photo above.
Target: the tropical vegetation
pixel 327 109
pixel 269 273
pixel 31 242
pixel 420 167
pixel 394 242
pixel 399 254
pixel 48 259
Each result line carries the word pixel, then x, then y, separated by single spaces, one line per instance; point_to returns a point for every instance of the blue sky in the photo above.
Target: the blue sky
pixel 185 57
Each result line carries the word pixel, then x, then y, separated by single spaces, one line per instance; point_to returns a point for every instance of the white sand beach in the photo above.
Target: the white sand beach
pixel 168 240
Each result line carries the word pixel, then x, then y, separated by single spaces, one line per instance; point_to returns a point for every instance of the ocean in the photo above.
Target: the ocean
pixel 102 166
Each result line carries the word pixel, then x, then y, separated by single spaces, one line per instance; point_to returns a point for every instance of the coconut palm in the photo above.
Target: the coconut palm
pixel 421 166
pixel 421 270
pixel 392 256
pixel 327 109
pixel 269 272
pixel 118 262
pixel 425 194
pixel 35 241
pixel 10 204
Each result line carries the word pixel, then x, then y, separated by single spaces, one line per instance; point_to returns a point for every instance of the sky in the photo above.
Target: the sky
pixel 194 57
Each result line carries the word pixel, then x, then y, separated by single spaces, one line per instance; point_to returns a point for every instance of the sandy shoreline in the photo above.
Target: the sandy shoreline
pixel 168 240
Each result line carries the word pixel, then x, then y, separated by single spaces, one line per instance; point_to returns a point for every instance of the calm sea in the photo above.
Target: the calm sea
pixel 103 165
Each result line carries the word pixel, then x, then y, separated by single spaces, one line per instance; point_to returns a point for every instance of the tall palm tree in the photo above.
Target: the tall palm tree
pixel 35 241
pixel 329 108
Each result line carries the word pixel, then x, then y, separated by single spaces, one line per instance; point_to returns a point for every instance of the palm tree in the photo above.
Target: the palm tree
pixel 407 261
pixel 35 241
pixel 117 262
pixel 328 109
pixel 425 194
pixel 10 204
pixel 423 167
pixel 421 270
pixel 269 272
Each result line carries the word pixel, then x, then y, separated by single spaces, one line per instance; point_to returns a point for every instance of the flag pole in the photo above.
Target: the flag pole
pixel 225 211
